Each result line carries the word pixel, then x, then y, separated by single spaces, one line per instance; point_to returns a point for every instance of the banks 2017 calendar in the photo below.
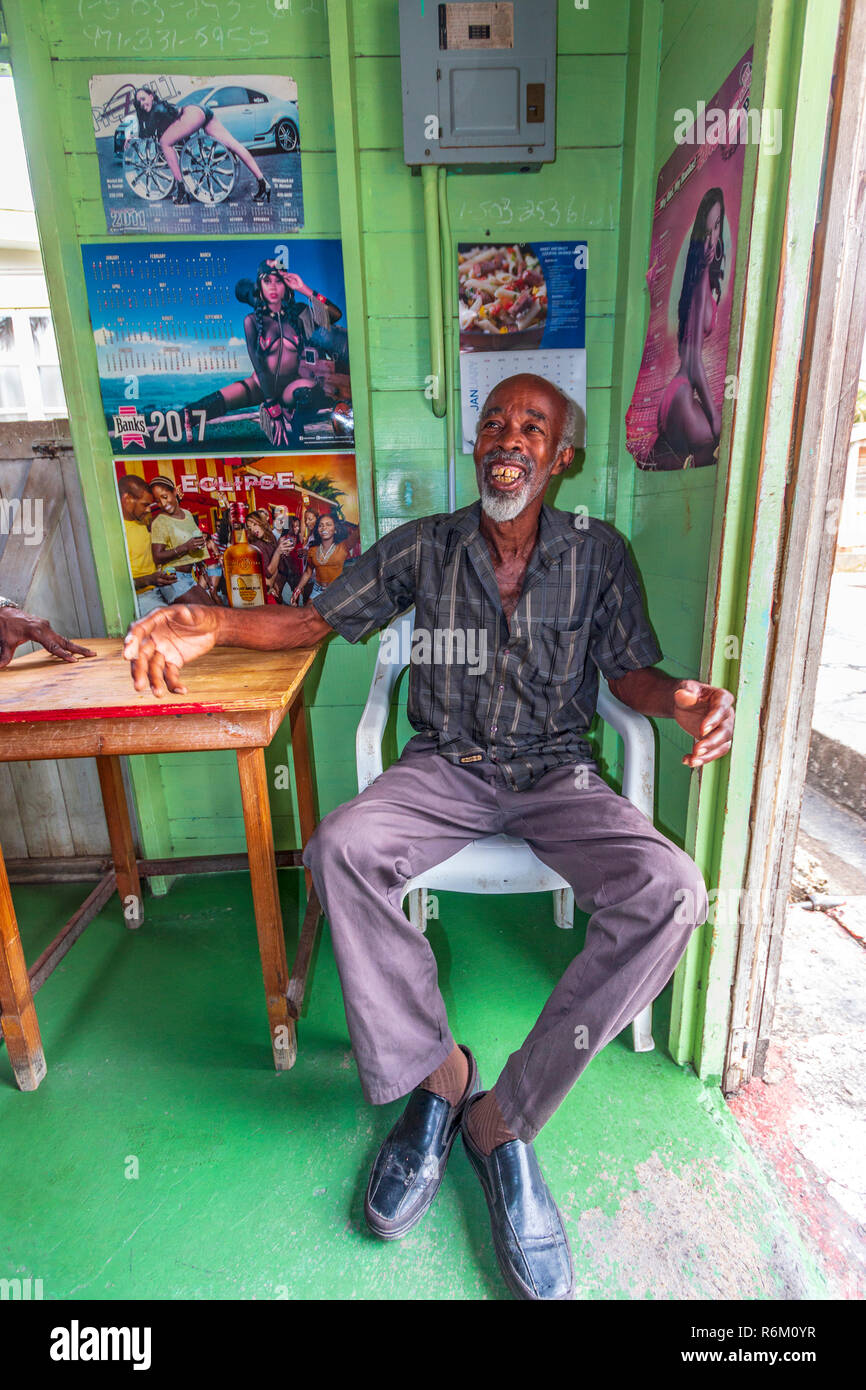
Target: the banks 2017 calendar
pixel 224 347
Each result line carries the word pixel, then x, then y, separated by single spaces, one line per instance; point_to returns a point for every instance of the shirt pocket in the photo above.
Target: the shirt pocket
pixel 560 651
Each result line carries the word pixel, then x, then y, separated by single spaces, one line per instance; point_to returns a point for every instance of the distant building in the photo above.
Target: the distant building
pixel 30 386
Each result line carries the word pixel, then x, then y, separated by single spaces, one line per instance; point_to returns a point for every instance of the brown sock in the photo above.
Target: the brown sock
pixel 487 1129
pixel 449 1080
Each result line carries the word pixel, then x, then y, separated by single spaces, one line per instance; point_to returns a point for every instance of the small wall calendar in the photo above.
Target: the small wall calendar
pixel 522 309
pixel 228 347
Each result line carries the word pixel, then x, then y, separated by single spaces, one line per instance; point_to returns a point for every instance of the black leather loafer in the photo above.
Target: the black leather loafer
pixel 528 1232
pixel 411 1163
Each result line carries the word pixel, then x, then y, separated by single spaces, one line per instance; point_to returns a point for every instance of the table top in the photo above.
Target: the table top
pixel 229 681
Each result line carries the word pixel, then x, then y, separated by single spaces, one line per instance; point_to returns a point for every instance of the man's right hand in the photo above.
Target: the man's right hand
pixel 160 643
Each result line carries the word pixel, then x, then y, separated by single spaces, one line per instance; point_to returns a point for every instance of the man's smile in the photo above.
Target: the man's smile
pixel 504 473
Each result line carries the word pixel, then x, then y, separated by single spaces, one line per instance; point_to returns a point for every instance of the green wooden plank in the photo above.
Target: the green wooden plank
pixel 163 31
pixel 589 100
pixel 703 55
pixel 677 13
pixel 397 276
pixel 404 420
pixel 599 28
pixel 687 483
pixel 675 607
pixel 412 489
pixel 345 675
pixel 349 180
pixel 671 533
pixel 400 352
pixel 579 193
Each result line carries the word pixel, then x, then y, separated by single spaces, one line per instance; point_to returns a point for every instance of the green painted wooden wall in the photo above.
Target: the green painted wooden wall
pixel 623 66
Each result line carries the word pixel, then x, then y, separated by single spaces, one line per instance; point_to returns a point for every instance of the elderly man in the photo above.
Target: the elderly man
pixel 499 748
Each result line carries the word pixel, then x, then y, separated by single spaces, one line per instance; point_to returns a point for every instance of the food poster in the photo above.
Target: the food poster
pixel 674 419
pixel 231 347
pixel 182 504
pixel 522 309
pixel 198 154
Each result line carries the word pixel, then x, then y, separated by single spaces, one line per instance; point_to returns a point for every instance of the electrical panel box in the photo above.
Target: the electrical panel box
pixel 479 82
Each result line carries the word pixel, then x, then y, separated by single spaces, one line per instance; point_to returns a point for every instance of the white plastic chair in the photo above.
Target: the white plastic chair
pixel 501 863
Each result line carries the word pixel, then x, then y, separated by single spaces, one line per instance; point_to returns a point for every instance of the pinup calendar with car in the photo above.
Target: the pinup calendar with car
pixel 180 154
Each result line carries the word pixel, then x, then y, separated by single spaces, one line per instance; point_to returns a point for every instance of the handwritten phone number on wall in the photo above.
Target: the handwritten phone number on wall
pixel 217 31
pixel 500 212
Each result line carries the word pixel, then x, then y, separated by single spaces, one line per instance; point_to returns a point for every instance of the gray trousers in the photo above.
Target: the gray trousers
pixel 644 894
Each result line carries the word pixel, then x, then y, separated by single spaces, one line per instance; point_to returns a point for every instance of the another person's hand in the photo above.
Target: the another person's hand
pixel 706 712
pixel 296 595
pixel 16 627
pixel 160 643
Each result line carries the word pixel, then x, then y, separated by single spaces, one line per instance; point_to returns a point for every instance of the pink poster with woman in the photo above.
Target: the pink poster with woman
pixel 674 418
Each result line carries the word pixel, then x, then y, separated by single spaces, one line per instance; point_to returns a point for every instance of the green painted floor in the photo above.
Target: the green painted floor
pixel 251 1185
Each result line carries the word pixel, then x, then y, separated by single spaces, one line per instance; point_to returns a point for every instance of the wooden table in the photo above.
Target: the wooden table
pixel 237 699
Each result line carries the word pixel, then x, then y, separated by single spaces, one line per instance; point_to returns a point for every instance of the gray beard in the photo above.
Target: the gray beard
pixel 500 508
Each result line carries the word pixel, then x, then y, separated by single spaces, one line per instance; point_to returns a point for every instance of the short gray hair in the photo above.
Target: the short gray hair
pixel 570 423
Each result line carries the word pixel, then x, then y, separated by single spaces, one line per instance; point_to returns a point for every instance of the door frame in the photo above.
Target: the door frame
pixel 835 327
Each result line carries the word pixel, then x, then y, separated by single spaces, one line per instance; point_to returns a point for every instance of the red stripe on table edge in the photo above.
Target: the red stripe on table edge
pixel 40 716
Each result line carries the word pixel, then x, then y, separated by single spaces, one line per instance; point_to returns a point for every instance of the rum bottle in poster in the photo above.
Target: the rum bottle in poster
pixel 242 564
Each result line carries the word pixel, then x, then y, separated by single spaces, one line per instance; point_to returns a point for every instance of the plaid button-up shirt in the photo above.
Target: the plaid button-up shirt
pixel 518 694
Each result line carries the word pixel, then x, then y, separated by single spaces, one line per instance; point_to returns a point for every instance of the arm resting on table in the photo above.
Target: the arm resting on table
pixel 158 645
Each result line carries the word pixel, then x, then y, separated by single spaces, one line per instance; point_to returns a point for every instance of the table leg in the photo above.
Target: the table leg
pixel 120 839
pixel 266 903
pixel 19 1021
pixel 303 774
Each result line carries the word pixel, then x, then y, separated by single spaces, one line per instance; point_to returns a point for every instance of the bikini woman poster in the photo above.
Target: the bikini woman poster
pixel 198 154
pixel 235 347
pixel 674 419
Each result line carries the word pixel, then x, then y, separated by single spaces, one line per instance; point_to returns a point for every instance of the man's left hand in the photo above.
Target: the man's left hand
pixel 706 712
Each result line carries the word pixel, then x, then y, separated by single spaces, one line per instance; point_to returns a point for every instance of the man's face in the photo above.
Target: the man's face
pixel 138 504
pixel 516 446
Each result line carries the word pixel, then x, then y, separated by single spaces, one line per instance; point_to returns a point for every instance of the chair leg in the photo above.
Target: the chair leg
pixel 418 909
pixel 563 907
pixel 642 1030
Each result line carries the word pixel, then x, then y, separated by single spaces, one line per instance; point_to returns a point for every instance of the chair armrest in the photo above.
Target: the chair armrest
pixel 639 750
pixel 368 739
pixel 393 654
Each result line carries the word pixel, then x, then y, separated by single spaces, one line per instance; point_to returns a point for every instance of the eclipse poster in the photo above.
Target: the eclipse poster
pixel 198 154
pixel 674 419
pixel 522 308
pixel 189 498
pixel 233 347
